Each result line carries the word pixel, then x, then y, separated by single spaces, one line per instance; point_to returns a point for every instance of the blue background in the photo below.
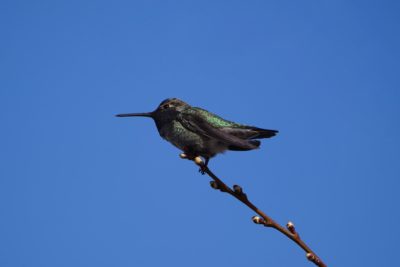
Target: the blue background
pixel 79 187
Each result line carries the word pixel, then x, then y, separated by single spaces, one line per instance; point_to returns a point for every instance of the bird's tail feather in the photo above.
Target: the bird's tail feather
pixel 263 133
pixel 254 144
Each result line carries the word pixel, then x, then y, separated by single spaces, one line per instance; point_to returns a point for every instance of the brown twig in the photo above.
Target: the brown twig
pixel 263 218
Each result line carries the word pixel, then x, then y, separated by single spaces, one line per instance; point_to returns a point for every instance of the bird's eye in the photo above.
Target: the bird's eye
pixel 166 106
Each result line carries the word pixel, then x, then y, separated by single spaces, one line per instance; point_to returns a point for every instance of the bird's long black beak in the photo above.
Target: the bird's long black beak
pixel 146 114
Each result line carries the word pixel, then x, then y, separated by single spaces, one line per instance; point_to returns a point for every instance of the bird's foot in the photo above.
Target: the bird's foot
pixel 197 160
pixel 183 156
pixel 187 156
pixel 201 164
pixel 202 170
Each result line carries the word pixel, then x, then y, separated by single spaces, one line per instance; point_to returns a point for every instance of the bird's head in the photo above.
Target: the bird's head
pixel 168 108
pixel 171 105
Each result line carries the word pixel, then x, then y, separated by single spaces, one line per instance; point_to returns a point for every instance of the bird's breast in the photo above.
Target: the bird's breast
pixel 189 141
pixel 179 136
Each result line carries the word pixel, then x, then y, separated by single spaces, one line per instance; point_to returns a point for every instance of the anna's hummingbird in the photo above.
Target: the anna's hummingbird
pixel 198 132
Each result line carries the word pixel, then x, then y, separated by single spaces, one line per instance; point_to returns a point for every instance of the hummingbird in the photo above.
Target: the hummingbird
pixel 198 132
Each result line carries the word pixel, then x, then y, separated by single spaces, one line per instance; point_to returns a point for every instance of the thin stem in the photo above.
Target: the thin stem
pixel 265 220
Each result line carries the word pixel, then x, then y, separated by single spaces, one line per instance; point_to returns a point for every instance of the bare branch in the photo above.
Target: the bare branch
pixel 263 219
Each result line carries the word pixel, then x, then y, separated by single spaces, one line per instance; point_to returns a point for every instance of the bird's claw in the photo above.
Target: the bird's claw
pixel 197 160
pixel 202 170
pixel 201 164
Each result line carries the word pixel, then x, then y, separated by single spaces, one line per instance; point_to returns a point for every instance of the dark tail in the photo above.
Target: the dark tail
pixel 263 133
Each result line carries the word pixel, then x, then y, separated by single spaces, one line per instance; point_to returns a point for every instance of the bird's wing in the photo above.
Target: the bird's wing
pixel 239 130
pixel 249 132
pixel 195 122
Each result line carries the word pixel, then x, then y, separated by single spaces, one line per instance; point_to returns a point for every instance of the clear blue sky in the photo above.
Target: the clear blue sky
pixel 79 187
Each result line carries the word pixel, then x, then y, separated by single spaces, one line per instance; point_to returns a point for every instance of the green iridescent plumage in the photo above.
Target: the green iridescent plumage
pixel 214 119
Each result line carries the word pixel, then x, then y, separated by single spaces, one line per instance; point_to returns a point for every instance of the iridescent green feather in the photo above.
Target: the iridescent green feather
pixel 214 119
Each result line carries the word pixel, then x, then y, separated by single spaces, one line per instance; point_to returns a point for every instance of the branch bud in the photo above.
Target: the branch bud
pixel 239 192
pixel 311 257
pixel 291 228
pixel 214 185
pixel 258 220
pixel 238 189
pixel 199 161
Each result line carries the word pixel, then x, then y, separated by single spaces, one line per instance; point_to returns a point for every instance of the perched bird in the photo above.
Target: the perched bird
pixel 198 132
